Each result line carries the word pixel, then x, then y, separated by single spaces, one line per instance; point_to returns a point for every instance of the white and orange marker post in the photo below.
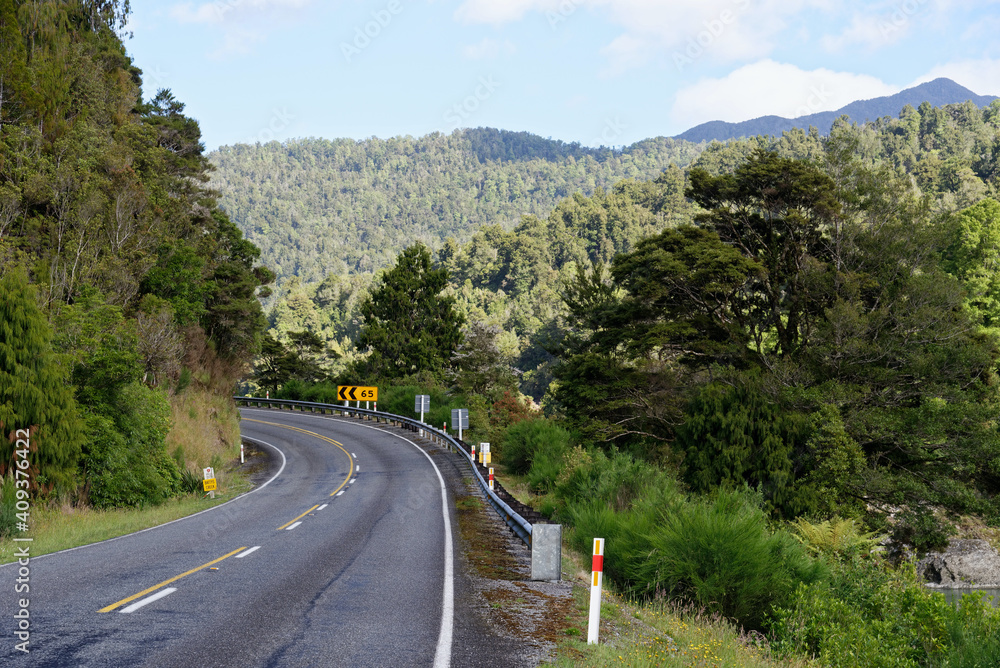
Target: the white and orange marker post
pixel 491 479
pixel 473 452
pixel 595 592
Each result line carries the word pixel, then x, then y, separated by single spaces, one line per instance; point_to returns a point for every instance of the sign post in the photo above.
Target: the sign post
pixel 422 404
pixel 209 483
pixel 460 420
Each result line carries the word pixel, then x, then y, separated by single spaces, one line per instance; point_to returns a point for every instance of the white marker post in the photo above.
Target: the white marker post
pixel 595 592
pixel 242 458
pixel 491 479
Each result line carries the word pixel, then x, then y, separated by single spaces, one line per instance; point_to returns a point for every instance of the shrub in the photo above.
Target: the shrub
pixel 529 440
pixel 718 553
pixel 868 616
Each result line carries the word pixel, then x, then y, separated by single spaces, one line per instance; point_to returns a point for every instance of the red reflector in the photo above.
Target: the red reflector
pixel 598 563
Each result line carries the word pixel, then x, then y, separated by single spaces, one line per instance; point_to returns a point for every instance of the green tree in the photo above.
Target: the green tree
pixel 973 257
pixel 774 210
pixel 34 391
pixel 409 327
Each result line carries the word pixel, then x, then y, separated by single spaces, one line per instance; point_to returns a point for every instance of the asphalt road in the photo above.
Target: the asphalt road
pixel 346 557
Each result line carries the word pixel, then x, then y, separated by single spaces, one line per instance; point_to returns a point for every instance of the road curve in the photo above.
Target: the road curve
pixel 345 558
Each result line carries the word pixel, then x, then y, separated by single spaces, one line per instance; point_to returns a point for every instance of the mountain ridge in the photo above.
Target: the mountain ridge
pixel 938 93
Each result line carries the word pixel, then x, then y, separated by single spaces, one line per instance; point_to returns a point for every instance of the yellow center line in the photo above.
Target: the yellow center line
pixel 299 517
pixel 350 469
pixel 166 582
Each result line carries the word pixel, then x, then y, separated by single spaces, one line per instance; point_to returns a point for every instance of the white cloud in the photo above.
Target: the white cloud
pixel 770 88
pixel 722 30
pixel 243 23
pixel 870 31
pixel 981 76
pixel 489 49
pixel 221 10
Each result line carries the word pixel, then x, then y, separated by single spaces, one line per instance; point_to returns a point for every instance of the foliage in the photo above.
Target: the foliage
pixel 127 463
pixel 534 441
pixel 409 327
pixel 317 206
pixel 8 507
pixel 715 553
pixel 735 436
pixel 34 392
pixel 836 537
pixel 867 615
pixel 480 367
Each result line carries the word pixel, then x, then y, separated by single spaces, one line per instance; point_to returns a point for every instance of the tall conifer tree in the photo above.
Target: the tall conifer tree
pixel 35 392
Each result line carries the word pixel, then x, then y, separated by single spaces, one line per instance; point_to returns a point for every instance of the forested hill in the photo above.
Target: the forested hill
pixel 317 206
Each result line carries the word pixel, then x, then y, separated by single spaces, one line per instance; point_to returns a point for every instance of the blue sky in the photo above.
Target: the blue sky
pixel 598 72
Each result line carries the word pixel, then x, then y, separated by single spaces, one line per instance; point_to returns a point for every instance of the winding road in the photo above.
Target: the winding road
pixel 346 556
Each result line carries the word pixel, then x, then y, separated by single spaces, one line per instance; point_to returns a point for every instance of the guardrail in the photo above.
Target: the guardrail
pixel 518 524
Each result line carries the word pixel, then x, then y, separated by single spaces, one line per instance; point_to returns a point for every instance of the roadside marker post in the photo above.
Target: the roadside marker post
pixel 473 452
pixel 491 479
pixel 242 458
pixel 595 592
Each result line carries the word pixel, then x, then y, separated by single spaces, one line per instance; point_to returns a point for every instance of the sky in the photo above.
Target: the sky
pixel 597 72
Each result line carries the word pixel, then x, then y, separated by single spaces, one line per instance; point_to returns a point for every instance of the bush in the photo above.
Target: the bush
pixel 126 460
pixel 718 554
pixel 869 616
pixel 524 440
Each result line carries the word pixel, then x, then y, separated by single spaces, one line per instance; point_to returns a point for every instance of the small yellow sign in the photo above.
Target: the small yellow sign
pixel 357 393
pixel 209 484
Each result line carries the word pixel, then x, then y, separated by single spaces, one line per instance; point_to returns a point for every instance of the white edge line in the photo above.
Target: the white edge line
pixel 179 519
pixel 442 657
pixel 149 599
pixel 323 506
pixel 289 528
pixel 246 552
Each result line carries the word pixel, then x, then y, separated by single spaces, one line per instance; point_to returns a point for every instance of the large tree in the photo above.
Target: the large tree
pixel 409 326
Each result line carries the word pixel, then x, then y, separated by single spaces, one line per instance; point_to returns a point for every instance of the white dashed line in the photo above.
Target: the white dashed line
pixel 353 480
pixel 323 506
pixel 358 468
pixel 149 599
pixel 245 553
pixel 293 526
pixel 340 492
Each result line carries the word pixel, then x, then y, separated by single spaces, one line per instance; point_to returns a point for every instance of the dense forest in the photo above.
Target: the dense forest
pixel 123 284
pixel 317 206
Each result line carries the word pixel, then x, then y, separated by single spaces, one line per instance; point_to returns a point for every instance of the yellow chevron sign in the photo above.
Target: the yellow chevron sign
pixel 357 393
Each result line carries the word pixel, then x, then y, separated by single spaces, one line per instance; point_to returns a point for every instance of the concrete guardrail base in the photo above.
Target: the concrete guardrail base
pixel 546 552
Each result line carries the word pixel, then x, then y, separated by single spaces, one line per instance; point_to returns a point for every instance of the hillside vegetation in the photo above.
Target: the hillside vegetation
pixel 317 206
pixel 126 293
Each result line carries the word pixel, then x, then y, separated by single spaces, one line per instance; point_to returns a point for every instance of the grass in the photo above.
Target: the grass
pixel 205 433
pixel 644 635
pixel 62 527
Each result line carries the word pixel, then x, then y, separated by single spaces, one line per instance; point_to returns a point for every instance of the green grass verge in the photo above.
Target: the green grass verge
pixel 60 528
